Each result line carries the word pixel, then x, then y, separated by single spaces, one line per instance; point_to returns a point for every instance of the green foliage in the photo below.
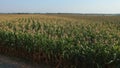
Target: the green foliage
pixel 86 40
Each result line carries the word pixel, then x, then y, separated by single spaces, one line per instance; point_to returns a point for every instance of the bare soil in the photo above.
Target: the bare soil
pixel 12 62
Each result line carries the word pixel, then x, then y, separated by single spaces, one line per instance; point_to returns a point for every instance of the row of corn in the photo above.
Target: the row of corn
pixel 64 41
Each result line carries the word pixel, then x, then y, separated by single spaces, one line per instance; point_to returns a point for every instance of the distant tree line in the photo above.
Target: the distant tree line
pixel 88 14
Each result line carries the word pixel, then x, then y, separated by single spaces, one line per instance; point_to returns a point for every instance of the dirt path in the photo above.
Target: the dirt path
pixel 9 62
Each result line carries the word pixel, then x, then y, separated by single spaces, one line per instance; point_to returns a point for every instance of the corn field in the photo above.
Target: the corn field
pixel 63 41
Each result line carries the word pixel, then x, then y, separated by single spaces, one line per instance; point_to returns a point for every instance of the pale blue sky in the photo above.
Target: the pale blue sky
pixel 62 6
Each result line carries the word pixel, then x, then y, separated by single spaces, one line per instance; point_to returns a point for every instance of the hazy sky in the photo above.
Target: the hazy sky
pixel 62 6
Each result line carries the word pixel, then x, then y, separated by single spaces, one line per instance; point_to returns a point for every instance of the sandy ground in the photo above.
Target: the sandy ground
pixel 10 62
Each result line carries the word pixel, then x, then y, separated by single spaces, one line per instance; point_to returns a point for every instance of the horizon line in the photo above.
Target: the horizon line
pixel 53 13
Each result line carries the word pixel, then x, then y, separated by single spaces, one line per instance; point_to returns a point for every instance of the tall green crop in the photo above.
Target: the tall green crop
pixel 64 40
